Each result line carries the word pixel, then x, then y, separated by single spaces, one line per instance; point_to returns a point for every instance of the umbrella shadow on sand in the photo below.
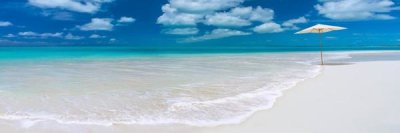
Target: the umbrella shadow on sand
pixel 338 63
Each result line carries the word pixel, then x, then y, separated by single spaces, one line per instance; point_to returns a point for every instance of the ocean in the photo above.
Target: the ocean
pixel 107 86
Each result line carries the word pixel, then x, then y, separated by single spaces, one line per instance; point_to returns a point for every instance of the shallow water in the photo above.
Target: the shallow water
pixel 205 90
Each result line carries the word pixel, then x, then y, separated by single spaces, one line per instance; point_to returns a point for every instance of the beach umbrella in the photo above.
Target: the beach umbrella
pixel 319 29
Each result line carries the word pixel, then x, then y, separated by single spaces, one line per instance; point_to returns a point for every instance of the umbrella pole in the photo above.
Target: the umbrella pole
pixel 321 47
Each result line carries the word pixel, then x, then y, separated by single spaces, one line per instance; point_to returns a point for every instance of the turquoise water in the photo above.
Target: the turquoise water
pixel 10 53
pixel 122 85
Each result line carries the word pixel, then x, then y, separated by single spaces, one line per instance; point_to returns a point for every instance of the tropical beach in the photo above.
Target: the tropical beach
pixel 199 66
pixel 354 89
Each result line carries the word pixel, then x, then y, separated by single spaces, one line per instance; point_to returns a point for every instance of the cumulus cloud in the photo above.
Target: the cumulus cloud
pixel 104 24
pixel 243 12
pixel 5 23
pixel 253 14
pixel 173 17
pixel 40 35
pixel 356 9
pixel 203 6
pixel 217 34
pixel 269 27
pixel 222 15
pixel 291 24
pixel 126 20
pixel 182 31
pixel 211 12
pixel 84 6
pixel 240 16
pixel 96 36
pixel 262 14
pixel 69 36
pixel 226 19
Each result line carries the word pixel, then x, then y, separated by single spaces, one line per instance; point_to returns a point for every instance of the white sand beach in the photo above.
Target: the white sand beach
pixel 355 98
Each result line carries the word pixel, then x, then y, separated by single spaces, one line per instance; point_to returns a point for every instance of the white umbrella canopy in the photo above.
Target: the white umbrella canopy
pixel 319 29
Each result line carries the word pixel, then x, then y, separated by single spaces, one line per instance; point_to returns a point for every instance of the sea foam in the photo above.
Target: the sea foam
pixel 190 90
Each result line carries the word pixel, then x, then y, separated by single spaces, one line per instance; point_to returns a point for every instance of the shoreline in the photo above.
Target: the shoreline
pixel 327 103
pixel 299 110
pixel 333 110
pixel 288 109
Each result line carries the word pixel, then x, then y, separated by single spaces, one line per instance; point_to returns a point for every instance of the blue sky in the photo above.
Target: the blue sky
pixel 239 23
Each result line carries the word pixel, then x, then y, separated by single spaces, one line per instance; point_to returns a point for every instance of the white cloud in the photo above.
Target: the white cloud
pixel 226 19
pixel 182 31
pixel 40 35
pixel 203 6
pixel 356 9
pixel 113 40
pixel 84 6
pixel 30 34
pixel 243 12
pixel 262 14
pixel 253 14
pixel 192 12
pixel 172 16
pixel 240 16
pixel 269 27
pixel 291 24
pixel 126 20
pixel 179 19
pixel 217 34
pixel 51 34
pixel 218 14
pixel 95 36
pixel 63 16
pixel 5 23
pixel 10 35
pixel 69 36
pixel 98 24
